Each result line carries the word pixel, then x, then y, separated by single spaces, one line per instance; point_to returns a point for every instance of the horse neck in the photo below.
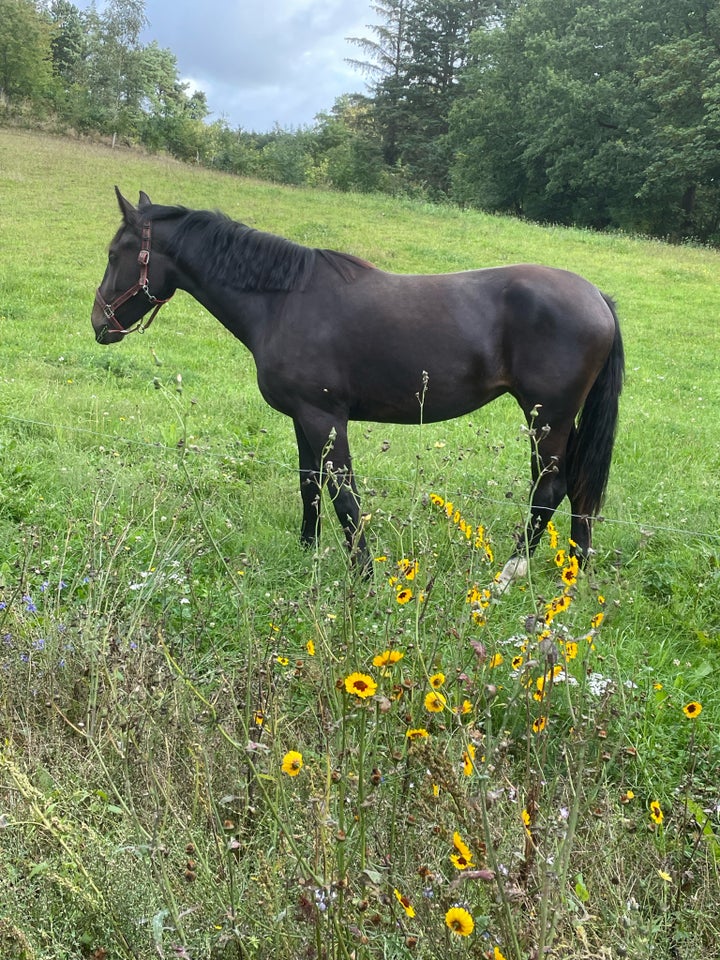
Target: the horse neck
pixel 241 313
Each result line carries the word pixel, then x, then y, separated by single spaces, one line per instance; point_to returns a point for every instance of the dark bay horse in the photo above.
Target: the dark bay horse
pixel 336 339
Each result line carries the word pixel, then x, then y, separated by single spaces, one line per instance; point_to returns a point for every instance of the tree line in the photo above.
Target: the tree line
pixel 589 112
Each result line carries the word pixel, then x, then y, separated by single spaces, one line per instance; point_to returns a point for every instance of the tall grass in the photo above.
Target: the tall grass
pixel 218 745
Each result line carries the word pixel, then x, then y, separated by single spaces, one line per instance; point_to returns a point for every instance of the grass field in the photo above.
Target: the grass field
pixel 187 767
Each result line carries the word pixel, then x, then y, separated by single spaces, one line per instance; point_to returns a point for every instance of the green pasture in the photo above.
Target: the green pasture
pixel 165 642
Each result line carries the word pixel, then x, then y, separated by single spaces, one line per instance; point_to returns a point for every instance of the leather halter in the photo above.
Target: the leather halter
pixel 109 309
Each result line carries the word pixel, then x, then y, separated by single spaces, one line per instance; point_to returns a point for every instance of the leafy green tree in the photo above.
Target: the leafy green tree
pixel 595 113
pixel 417 60
pixel 25 52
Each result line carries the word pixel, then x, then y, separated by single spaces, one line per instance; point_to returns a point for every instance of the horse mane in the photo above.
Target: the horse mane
pixel 229 252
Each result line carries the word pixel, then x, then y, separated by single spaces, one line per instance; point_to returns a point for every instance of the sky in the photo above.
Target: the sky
pixel 263 62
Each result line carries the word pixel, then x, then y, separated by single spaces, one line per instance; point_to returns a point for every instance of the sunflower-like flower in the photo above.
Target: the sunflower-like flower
pixel 404 903
pixel 459 921
pixel 434 702
pixel 461 859
pixel 387 658
pixel 692 709
pixel 292 763
pixel 360 685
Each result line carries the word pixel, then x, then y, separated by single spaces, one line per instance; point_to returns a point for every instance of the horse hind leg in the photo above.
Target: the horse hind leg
pixel 548 462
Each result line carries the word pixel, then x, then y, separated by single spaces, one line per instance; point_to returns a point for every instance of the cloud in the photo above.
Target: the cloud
pixel 261 64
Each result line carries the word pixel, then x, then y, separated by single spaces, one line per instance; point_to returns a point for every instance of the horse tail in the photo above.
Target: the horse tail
pixel 591 445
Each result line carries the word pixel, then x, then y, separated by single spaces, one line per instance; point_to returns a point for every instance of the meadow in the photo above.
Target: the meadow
pixel 215 744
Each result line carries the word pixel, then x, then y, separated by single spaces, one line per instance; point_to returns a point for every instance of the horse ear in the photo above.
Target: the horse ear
pixel 145 200
pixel 126 209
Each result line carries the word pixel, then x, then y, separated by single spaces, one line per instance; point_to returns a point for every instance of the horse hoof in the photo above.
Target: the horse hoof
pixel 515 569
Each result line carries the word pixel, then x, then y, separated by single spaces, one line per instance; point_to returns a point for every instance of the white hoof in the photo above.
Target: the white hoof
pixel 514 569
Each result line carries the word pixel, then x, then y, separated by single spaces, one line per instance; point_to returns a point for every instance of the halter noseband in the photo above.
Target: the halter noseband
pixel 109 309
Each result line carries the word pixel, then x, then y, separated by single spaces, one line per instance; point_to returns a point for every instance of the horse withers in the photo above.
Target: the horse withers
pixel 336 339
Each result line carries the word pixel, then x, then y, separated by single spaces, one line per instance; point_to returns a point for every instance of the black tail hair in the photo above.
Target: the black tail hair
pixel 591 446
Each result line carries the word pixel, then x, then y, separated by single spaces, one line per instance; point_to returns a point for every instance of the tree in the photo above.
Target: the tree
pixel 596 113
pixel 417 61
pixel 25 51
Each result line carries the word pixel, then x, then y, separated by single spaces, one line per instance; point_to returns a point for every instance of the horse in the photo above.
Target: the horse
pixel 335 339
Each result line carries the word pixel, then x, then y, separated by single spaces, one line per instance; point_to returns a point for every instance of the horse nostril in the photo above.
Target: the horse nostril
pixel 100 335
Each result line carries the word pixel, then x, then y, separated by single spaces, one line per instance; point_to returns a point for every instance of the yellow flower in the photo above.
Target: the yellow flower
pixel 656 813
pixel 571 649
pixel 517 662
pixel 292 763
pixel 692 709
pixel 552 534
pixel 437 680
pixel 283 661
pixel 464 708
pixel 597 620
pixel 539 724
pixel 468 760
pixel 462 858
pixel 459 921
pixel 416 733
pixel 570 572
pixel 387 658
pixel 403 596
pixel 437 500
pixel 527 820
pixel 361 685
pixel 408 568
pixel 310 647
pixel 627 796
pixel 496 660
pixel 404 903
pixel 664 875
pixel 560 558
pixel 434 702
pixel 497 954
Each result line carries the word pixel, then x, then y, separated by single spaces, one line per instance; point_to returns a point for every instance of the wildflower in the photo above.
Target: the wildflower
pixel 552 534
pixel 571 650
pixel 692 709
pixel 496 660
pixel 404 903
pixel 526 819
pixel 259 718
pixel 404 595
pixel 464 708
pixel 387 658
pixel 560 558
pixel 601 599
pixel 408 568
pixel 381 559
pixel 416 733
pixel 434 702
pixel 497 954
pixel 462 858
pixel 437 500
pixel 459 921
pixel 310 647
pixel 361 685
pixel 468 760
pixel 283 661
pixel 597 620
pixel 664 875
pixel 656 813
pixel 517 662
pixel 292 763
pixel 437 680
pixel 570 572
pixel 539 724
pixel 627 796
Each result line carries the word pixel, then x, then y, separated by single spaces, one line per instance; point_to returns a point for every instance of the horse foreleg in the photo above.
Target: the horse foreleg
pixel 327 443
pixel 310 487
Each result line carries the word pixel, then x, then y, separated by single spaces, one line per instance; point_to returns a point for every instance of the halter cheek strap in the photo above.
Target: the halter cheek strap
pixel 109 309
